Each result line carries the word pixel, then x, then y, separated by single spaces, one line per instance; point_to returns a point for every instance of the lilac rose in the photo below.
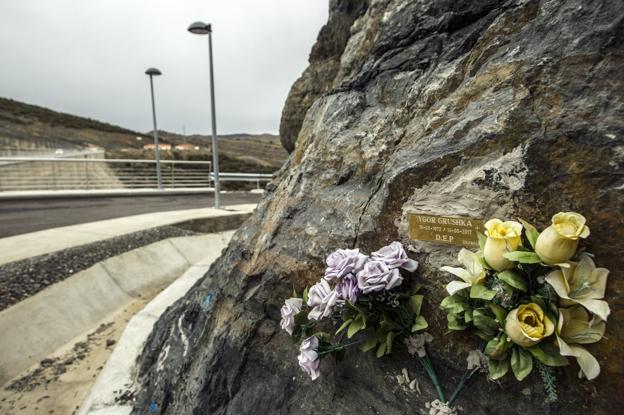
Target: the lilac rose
pixel 394 256
pixel 308 357
pixel 377 276
pixel 343 262
pixel 347 289
pixel 291 307
pixel 321 299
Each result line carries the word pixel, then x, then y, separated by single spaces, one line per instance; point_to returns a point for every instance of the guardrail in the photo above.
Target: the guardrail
pixel 52 173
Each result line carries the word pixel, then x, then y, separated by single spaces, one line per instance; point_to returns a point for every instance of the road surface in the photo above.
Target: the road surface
pixel 23 216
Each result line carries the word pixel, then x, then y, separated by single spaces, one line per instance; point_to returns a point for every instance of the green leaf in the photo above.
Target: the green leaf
pixel 369 344
pixel 499 312
pixel 454 304
pixel 497 348
pixel 482 238
pixel 294 292
pixel 357 325
pixel 415 303
pixel 353 307
pixel 305 296
pixel 485 323
pixel 531 232
pixel 498 368
pixel 521 363
pixel 344 325
pixel 548 354
pixel 468 316
pixel 389 339
pixel 523 257
pixel 419 324
pixel 381 350
pixel 415 289
pixel 480 291
pixel 454 323
pixel 514 279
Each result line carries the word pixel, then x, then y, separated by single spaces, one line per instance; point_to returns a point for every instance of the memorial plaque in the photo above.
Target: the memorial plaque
pixel 445 229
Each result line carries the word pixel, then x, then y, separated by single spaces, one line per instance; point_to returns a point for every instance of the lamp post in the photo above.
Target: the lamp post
pixel 151 72
pixel 200 28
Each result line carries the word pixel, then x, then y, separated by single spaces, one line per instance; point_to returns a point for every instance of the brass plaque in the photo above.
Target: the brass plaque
pixel 445 229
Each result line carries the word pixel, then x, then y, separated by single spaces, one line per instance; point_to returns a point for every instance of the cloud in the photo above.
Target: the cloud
pixel 89 57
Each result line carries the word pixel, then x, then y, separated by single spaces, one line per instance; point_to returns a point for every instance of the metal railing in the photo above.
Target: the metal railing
pixel 52 173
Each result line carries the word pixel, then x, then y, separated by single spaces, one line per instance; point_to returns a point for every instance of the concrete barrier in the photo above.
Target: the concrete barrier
pixel 39 325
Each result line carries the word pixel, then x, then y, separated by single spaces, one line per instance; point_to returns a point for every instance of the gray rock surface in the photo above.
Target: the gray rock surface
pixel 319 77
pixel 458 107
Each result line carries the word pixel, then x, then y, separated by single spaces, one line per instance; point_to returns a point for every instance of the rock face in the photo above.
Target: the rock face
pixel 320 77
pixel 456 107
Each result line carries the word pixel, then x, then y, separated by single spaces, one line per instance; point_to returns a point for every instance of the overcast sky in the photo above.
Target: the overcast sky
pixel 88 57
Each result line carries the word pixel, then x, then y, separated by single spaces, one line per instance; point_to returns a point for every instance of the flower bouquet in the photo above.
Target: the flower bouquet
pixel 534 298
pixel 359 294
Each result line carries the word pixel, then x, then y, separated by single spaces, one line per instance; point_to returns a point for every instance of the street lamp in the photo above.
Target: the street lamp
pixel 155 72
pixel 200 28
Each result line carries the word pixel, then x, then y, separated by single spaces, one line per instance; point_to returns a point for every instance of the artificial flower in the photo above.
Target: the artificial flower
pixel 527 325
pixel 558 243
pixel 321 299
pixel 291 307
pixel 377 276
pixel 502 237
pixel 308 357
pixel 575 326
pixel 472 273
pixel 347 288
pixel 416 343
pixel 581 282
pixel 344 261
pixel 395 257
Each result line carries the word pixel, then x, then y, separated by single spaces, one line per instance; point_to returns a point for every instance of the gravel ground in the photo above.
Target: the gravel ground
pixel 21 279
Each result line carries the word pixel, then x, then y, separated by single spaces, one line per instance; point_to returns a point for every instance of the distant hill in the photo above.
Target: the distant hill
pixel 28 128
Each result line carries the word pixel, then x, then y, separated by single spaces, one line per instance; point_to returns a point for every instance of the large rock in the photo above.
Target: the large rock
pixel 458 107
pixel 320 76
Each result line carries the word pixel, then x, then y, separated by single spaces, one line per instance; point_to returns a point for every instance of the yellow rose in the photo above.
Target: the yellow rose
pixel 527 325
pixel 559 241
pixel 502 237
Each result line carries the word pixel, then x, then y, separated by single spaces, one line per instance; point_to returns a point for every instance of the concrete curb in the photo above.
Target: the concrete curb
pixel 48 320
pixel 120 368
pixel 54 194
pixel 207 220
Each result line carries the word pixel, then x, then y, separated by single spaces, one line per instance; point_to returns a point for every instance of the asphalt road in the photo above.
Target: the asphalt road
pixel 23 216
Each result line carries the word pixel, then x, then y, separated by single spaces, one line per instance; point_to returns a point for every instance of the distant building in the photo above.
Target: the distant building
pixel 165 147
pixel 185 147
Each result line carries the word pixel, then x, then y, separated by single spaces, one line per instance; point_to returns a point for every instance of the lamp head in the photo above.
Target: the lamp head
pixel 153 72
pixel 200 28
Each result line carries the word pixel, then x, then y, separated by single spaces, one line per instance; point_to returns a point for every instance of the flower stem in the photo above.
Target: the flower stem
pixel 462 382
pixel 428 366
pixel 338 348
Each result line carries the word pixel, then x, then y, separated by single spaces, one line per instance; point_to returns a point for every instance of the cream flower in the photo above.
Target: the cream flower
pixel 502 237
pixel 582 283
pixel 575 327
pixel 558 243
pixel 472 273
pixel 527 325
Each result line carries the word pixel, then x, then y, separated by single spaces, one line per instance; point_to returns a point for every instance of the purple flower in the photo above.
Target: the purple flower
pixel 377 276
pixel 343 262
pixel 309 358
pixel 291 307
pixel 321 299
pixel 347 289
pixel 394 256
